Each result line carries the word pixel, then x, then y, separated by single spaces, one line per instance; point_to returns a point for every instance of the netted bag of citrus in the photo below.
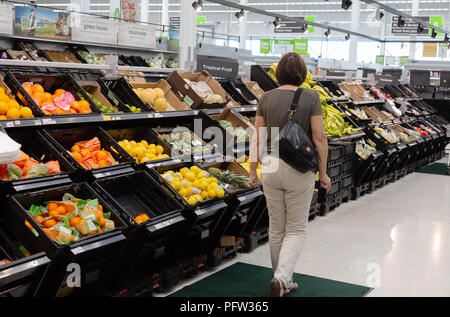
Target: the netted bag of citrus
pixel 10 108
pixel 70 219
pixel 194 184
pixel 142 151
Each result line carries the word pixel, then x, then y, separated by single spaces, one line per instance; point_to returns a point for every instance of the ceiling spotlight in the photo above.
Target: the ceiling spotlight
pixel 446 38
pixel 420 28
pixel 327 33
pixel 197 5
pixel 276 22
pixel 304 28
pixel 402 46
pixel 433 33
pixel 379 14
pixel 240 15
pixel 346 4
pixel 401 22
pixel 347 37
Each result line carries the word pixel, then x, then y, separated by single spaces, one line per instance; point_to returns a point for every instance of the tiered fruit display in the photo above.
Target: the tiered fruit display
pixel 60 102
pixel 103 109
pixel 245 163
pixel 229 179
pixel 70 219
pixel 142 151
pixel 10 108
pixel 26 166
pixel 90 154
pixel 194 184
pixel 153 97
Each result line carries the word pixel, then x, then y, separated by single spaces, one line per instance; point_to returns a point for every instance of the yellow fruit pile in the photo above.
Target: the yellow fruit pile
pixel 194 184
pixel 245 163
pixel 154 97
pixel 10 109
pixel 142 151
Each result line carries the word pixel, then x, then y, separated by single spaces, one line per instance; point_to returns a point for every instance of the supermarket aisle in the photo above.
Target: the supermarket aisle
pixel 402 231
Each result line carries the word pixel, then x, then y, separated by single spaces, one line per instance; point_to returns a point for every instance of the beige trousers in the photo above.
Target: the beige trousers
pixel 288 194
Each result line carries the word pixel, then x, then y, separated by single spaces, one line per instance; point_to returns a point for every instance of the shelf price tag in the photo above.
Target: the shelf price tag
pixel 106 118
pixel 37 122
pixel 48 121
pixel 150 115
pixel 158 115
pixel 10 124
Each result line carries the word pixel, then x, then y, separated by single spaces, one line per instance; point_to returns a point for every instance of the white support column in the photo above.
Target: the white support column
pixel 165 12
pixel 144 11
pixel 382 36
pixel 186 54
pixel 243 28
pixel 412 46
pixel 356 14
pixel 80 6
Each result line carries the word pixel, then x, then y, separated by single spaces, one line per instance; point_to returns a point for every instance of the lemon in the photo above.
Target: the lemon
pixel 170 172
pixel 152 157
pixel 195 169
pixel 133 142
pixel 189 190
pixel 144 143
pixel 213 180
pixel 204 195
pixel 192 200
pixel 211 193
pixel 139 153
pixel 190 176
pixel 25 112
pixel 184 170
pixel 200 174
pixel 220 193
pixel 177 184
pixel 203 184
pixel 145 159
pixel 165 156
pixel 198 197
pixel 152 146
pixel 212 186
pixel 152 151
pixel 183 192
pixel 159 149
pixel 197 183
pixel 13 113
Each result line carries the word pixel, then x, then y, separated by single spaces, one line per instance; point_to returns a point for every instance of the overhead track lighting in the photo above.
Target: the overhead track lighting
pixel 420 28
pixel 446 38
pixel 276 22
pixel 240 15
pixel 346 4
pixel 327 33
pixel 347 37
pixel 379 14
pixel 401 22
pixel 304 28
pixel 197 5
pixel 433 33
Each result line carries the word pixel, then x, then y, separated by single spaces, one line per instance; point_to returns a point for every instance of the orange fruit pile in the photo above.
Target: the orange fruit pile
pixel 10 108
pixel 67 221
pixel 142 218
pixel 60 102
pixel 90 154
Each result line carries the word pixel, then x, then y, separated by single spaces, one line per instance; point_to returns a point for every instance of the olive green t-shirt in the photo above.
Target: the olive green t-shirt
pixel 274 107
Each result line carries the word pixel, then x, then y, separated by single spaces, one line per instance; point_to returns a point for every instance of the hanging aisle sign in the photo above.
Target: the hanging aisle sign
pixel 265 46
pixel 310 27
pixel 410 27
pixel 403 60
pixel 429 49
pixel 138 35
pixel 437 21
pixel 301 46
pixel 283 46
pixel 379 59
pixel 95 30
pixel 6 18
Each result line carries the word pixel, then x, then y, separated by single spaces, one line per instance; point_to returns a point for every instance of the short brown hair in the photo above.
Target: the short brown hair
pixel 291 70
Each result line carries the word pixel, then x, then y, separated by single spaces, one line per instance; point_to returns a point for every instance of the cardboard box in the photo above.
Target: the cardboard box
pixel 236 119
pixel 175 104
pixel 188 95
pixel 93 88
pixel 8 91
pixel 227 241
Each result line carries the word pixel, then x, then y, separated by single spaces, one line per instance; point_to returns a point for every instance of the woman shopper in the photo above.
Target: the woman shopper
pixel 288 192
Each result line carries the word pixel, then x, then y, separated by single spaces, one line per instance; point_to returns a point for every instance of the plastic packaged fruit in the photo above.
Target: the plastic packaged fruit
pixel 143 217
pixel 90 154
pixel 70 219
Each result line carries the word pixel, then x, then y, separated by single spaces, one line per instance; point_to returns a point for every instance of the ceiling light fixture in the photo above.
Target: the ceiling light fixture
pixel 304 28
pixel 327 33
pixel 197 5
pixel 240 15
pixel 433 33
pixel 347 37
pixel 401 22
pixel 276 22
pixel 446 38
pixel 346 4
pixel 420 29
pixel 379 14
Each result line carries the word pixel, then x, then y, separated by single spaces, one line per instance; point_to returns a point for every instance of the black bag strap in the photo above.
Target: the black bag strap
pixel 295 101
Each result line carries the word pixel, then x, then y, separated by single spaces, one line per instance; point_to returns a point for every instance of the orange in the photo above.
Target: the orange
pixel 3 108
pixel 84 104
pixel 38 88
pixel 38 94
pixel 101 155
pixel 48 96
pixel 72 237
pixel 26 112
pixel 100 209
pixel 49 223
pixel 75 148
pixel 53 213
pixel 28 225
pixel 102 222
pixel 3 117
pixel 75 221
pixel 59 92
pixel 13 104
pixel 100 230
pixel 39 219
pixel 77 156
pixel 98 215
pixel 13 113
pixel 4 98
pixel 52 206
pixel 102 163
pixel 61 210
pixel 69 208
pixel 47 231
pixel 38 101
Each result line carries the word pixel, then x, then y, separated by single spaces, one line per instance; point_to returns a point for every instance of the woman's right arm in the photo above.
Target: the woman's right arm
pixel 321 143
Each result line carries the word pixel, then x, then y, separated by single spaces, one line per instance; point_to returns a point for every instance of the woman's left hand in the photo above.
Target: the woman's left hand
pixel 253 180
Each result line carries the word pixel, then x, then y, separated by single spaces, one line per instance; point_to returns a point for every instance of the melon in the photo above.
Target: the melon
pixel 160 104
pixel 148 96
pixel 159 93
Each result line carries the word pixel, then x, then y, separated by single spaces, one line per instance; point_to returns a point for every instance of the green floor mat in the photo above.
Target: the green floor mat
pixel 246 280
pixel 435 168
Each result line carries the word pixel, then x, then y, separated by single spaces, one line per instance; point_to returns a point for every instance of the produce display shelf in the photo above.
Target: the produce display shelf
pixel 148 69
pixel 368 102
pixel 13 62
pixel 347 137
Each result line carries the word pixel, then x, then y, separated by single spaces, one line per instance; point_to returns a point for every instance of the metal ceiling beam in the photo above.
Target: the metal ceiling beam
pixel 288 18
pixel 405 15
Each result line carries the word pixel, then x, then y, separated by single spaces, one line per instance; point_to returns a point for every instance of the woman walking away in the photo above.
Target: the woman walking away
pixel 288 192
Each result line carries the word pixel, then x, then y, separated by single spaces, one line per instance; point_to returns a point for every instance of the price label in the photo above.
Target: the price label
pixel 158 115
pixel 106 118
pixel 150 115
pixel 48 121
pixel 10 124
pixel 37 122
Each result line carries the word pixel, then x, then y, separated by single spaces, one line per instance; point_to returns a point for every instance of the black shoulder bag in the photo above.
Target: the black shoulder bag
pixel 296 148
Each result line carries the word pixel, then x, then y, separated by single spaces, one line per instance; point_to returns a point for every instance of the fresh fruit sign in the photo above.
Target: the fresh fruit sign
pixel 265 46
pixel 301 46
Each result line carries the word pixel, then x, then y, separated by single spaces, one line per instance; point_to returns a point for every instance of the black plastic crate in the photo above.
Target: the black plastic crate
pixel 347 181
pixel 348 148
pixel 334 152
pixel 39 148
pixel 120 93
pixel 153 243
pixel 334 171
pixel 142 133
pixel 347 166
pixel 258 74
pixel 50 83
pixel 29 47
pixel 64 139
